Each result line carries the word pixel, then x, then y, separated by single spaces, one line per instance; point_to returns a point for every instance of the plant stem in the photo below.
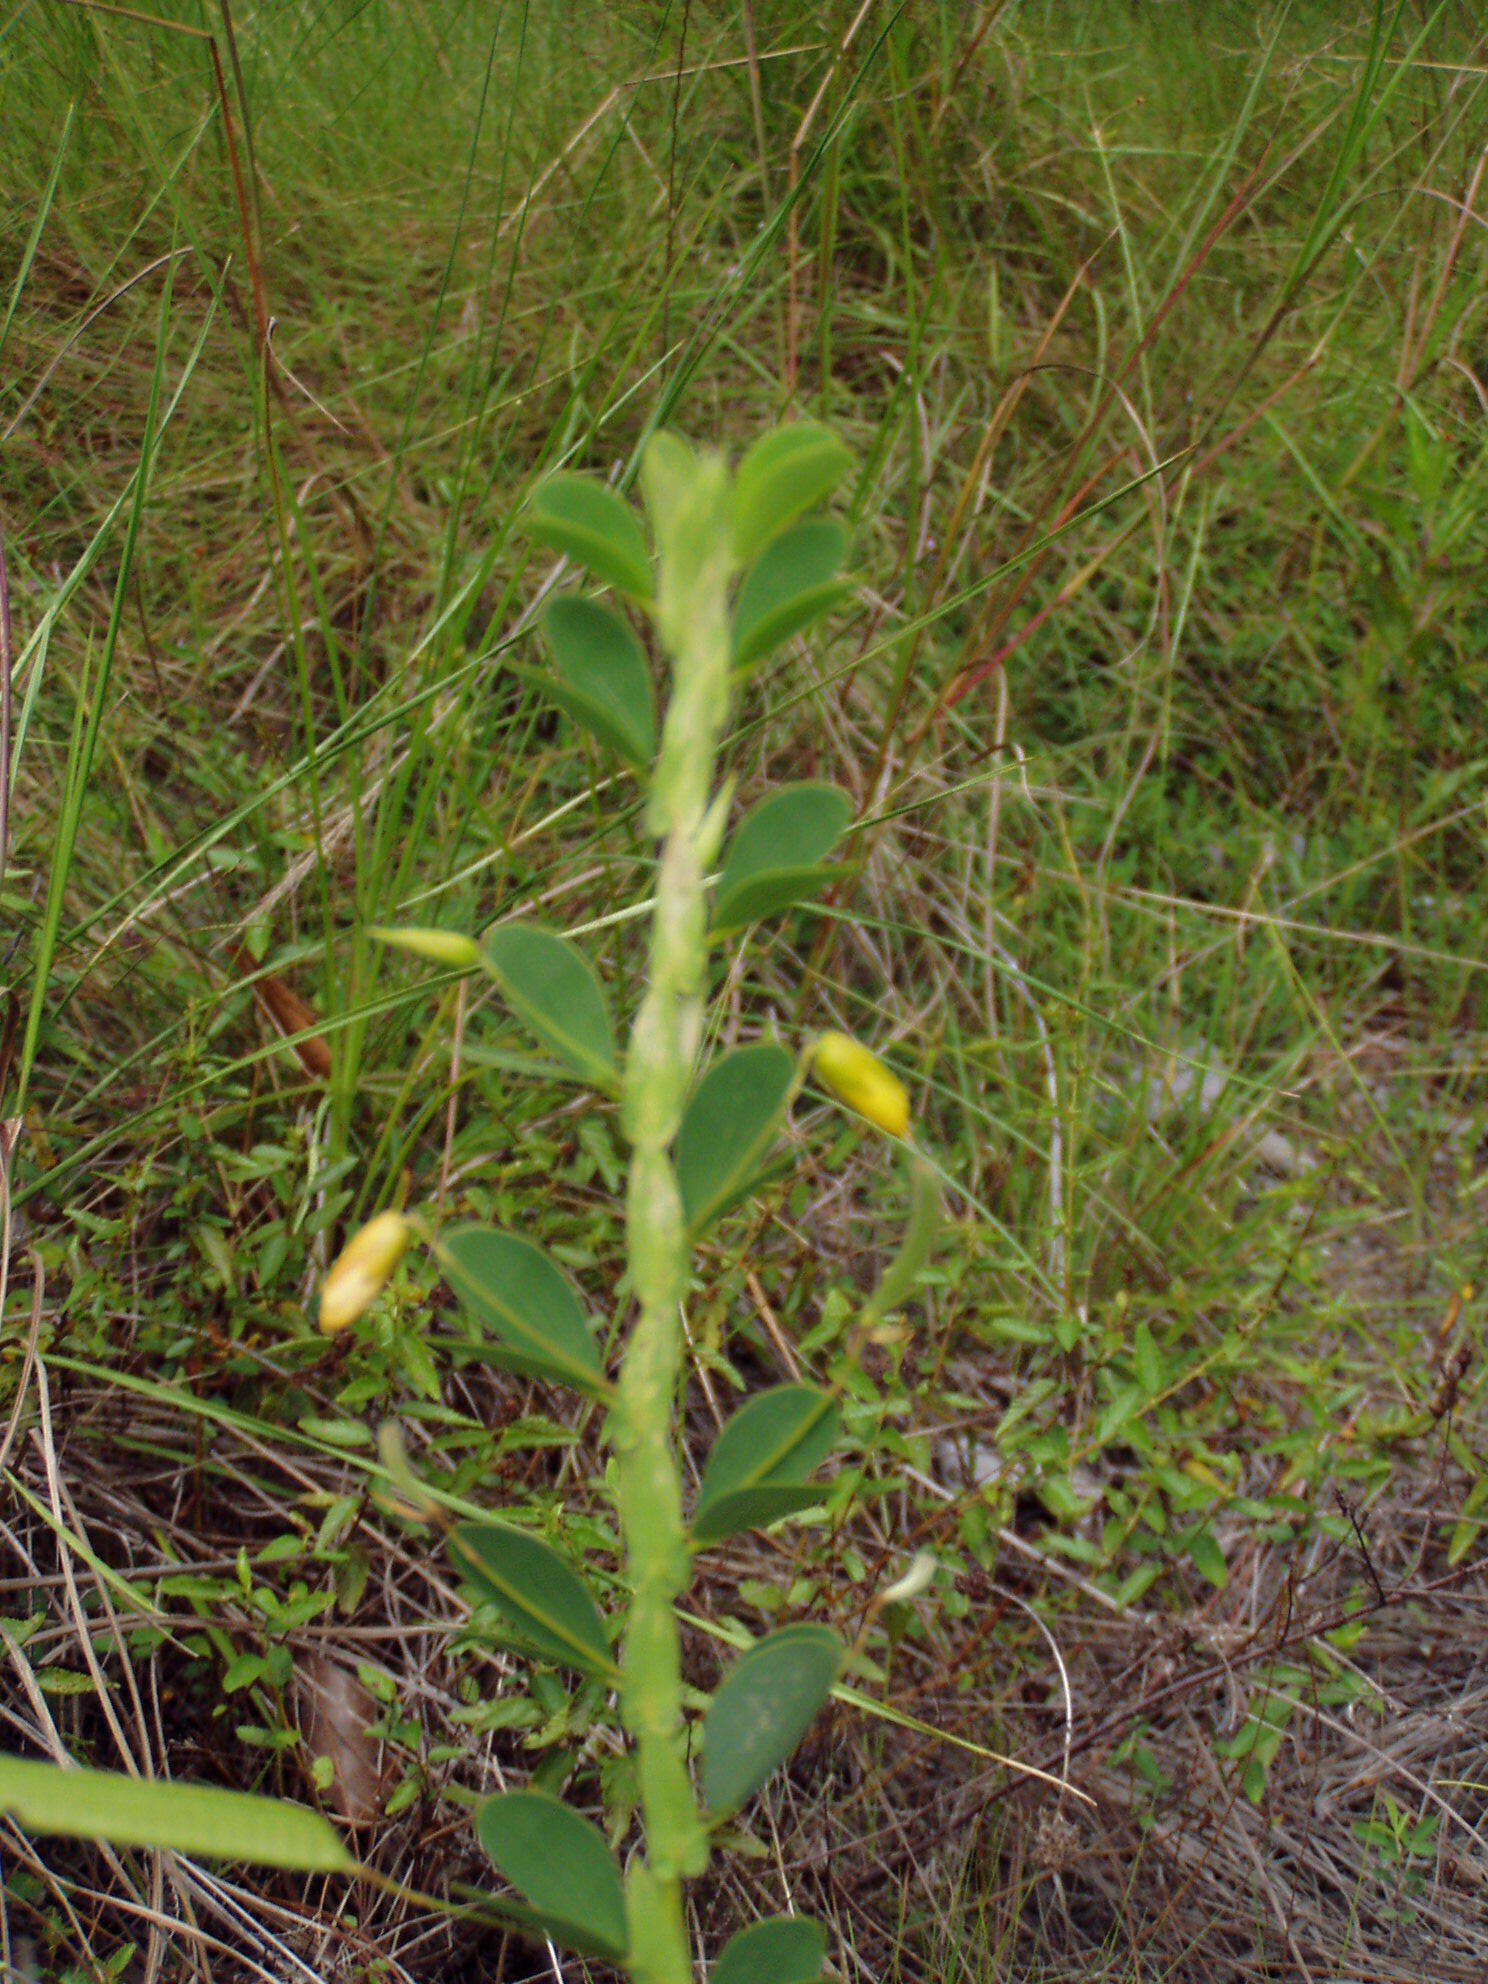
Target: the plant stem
pixel 688 498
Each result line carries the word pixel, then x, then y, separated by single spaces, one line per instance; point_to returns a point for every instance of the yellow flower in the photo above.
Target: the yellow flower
pixel 861 1080
pixel 360 1271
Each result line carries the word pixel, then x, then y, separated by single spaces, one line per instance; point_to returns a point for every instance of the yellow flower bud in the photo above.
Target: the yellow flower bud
pixel 861 1080
pixel 438 946
pixel 360 1271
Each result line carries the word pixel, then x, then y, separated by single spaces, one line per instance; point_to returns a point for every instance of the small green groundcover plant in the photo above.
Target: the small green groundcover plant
pixel 736 563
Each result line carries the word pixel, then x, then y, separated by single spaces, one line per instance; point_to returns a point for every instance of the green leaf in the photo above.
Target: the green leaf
pixel 560 1865
pixel 785 474
pixel 579 516
pixel 788 1949
pixel 542 1600
pixel 185 1818
pixel 762 1709
pixel 600 677
pixel 1208 1559
pixel 793 583
pixel 761 1463
pixel 550 987
pixel 515 1291
pixel 1148 1361
pixel 728 1128
pixel 777 856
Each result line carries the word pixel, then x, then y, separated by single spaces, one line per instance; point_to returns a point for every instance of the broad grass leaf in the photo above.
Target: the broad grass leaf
pixel 551 988
pixel 529 1305
pixel 198 1819
pixel 728 1128
pixel 761 1463
pixel 778 855
pixel 579 516
pixel 783 475
pixel 560 1865
pixel 763 1707
pixel 543 1602
pixel 599 677
pixel 794 582
pixel 787 1949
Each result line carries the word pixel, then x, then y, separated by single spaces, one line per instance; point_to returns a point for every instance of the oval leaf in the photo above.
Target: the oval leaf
pixel 762 1461
pixel 785 474
pixel 1207 1558
pixel 788 1949
pixel 777 856
pixel 793 583
pixel 185 1818
pixel 728 1128
pixel 560 1865
pixel 542 1600
pixel 550 987
pixel 599 677
pixel 579 516
pixel 762 1709
pixel 532 1308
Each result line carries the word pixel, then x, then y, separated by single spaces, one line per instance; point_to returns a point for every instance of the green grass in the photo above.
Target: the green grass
pixel 1159 337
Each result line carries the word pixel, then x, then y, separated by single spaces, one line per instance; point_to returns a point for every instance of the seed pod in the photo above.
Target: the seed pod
pixel 861 1080
pixel 360 1271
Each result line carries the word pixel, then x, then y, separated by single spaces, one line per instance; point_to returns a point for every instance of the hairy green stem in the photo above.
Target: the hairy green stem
pixel 687 496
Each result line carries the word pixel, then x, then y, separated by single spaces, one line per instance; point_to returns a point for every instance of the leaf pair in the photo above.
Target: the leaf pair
pixel 560 1864
pixel 599 674
pixel 776 858
pixel 545 1607
pixel 796 582
pixel 529 1313
pixel 778 855
pixel 528 1308
pixel 785 474
pixel 760 1466
pixel 786 1949
pixel 730 1123
pixel 763 1707
pixel 552 989
pixel 599 677
pixel 537 1326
